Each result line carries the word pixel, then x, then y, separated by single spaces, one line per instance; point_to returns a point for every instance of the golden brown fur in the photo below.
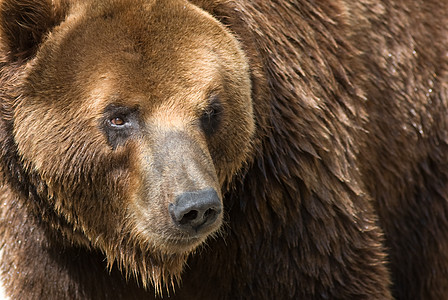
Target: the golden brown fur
pixel 321 125
pixel 108 196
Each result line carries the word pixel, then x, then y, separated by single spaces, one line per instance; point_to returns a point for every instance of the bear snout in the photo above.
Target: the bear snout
pixel 197 212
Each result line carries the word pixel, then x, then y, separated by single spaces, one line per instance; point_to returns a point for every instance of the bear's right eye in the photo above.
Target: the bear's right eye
pixel 120 123
pixel 117 121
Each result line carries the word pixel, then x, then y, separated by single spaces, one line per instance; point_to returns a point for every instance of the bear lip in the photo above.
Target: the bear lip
pixel 183 245
pixel 182 242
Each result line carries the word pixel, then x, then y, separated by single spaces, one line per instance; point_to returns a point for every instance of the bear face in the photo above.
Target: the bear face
pixel 148 96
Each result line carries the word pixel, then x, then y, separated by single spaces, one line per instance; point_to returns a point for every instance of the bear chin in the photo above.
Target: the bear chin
pixel 153 270
pixel 153 259
pixel 151 266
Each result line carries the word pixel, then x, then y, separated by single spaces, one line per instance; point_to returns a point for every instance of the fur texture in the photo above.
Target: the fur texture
pixel 322 125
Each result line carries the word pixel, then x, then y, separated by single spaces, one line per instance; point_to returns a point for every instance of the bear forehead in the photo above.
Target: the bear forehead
pixel 148 46
pixel 155 27
pixel 171 33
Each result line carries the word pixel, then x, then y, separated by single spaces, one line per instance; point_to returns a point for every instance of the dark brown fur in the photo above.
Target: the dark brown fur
pixel 338 192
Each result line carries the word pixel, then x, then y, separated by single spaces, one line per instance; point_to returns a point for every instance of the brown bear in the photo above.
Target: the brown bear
pixel 224 149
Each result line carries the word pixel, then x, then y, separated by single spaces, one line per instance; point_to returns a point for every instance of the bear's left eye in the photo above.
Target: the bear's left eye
pixel 211 117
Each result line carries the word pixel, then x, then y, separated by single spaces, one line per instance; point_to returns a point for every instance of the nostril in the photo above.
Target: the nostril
pixel 209 212
pixel 189 217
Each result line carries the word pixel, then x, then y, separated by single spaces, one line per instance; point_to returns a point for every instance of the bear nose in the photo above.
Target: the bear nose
pixel 196 211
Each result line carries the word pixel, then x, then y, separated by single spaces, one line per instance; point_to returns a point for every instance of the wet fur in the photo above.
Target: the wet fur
pixel 343 193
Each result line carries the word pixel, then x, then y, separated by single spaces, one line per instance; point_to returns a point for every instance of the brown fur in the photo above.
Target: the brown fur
pixel 330 154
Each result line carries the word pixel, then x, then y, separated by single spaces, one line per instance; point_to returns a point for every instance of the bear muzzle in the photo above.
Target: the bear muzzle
pixel 180 189
pixel 197 212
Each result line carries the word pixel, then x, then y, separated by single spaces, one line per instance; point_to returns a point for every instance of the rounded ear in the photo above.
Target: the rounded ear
pixel 24 24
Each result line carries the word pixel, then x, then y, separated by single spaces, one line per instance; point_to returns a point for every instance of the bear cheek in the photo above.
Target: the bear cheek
pixel 90 185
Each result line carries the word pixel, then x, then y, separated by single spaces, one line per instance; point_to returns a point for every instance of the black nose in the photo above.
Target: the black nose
pixel 196 211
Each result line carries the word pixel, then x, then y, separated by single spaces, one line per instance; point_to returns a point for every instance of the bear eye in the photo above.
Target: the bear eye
pixel 211 117
pixel 120 123
pixel 117 121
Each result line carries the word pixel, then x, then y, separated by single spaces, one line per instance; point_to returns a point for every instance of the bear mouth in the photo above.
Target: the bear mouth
pixel 188 243
pixel 185 243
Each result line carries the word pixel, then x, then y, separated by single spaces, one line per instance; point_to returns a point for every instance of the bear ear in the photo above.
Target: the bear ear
pixel 24 24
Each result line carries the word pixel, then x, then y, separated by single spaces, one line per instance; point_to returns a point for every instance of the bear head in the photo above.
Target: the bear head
pixel 127 120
